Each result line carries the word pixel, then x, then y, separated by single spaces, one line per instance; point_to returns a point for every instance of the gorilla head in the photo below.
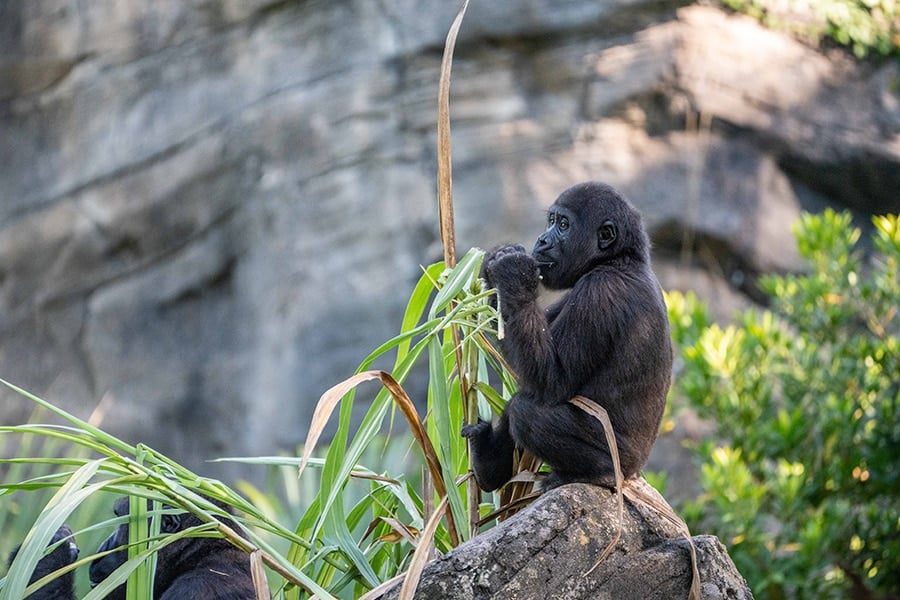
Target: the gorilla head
pixel 588 224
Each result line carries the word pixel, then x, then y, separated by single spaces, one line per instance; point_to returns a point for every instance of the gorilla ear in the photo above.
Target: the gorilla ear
pixel 606 235
pixel 170 523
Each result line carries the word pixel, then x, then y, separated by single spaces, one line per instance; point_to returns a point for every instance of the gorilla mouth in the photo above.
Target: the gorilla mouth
pixel 543 262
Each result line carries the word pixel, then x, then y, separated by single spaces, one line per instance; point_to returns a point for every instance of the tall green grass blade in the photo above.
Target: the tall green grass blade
pixel 140 581
pixel 95 433
pixel 57 510
pixel 418 303
pixel 439 403
pixel 336 528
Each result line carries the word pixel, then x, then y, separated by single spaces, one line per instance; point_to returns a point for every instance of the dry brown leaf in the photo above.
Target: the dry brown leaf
pixel 420 558
pixel 431 458
pixel 511 508
pixel 324 407
pixel 401 531
pixel 637 495
pixel 520 486
pixel 378 592
pixel 331 398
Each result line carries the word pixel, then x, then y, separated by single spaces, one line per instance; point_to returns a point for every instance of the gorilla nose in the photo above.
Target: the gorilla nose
pixel 542 244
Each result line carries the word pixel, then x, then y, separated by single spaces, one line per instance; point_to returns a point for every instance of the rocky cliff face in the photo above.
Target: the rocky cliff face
pixel 212 210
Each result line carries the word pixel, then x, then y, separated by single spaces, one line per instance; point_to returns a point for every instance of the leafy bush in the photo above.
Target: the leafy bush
pixel 863 25
pixel 802 482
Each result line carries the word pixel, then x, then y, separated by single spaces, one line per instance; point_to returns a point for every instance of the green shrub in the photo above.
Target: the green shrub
pixel 862 25
pixel 802 480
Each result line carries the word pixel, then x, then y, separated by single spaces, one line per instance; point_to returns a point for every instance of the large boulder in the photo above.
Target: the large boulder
pixel 550 549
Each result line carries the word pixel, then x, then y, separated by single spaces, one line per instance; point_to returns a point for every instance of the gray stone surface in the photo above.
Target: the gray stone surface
pixel 211 211
pixel 549 549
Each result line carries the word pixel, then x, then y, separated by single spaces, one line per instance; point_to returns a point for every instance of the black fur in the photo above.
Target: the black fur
pixel 63 587
pixel 607 339
pixel 189 569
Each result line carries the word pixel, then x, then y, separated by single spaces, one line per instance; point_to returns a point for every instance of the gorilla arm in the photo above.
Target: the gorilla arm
pixel 553 351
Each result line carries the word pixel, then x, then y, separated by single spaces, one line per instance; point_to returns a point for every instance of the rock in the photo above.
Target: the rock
pixel 828 120
pixel 549 549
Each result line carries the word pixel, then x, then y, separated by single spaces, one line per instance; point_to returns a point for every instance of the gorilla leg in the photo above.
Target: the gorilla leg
pixel 492 452
pixel 566 438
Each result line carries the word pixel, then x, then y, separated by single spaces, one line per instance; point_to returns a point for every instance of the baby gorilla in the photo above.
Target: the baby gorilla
pixel 607 339
pixel 188 569
pixel 63 587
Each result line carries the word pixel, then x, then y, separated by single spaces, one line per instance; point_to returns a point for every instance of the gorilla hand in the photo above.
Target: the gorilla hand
pixel 513 272
pixel 476 430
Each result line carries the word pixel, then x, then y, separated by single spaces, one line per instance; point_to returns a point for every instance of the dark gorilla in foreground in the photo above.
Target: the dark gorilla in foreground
pixel 189 569
pixel 607 339
pixel 63 587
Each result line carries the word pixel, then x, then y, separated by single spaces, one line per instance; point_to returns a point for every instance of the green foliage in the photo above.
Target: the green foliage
pixel 865 26
pixel 440 302
pixel 803 482
pixel 55 483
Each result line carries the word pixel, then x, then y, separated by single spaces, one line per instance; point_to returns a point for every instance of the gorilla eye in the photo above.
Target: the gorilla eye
pixel 563 223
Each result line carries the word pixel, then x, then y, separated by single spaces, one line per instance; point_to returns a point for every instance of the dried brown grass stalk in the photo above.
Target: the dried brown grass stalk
pixel 331 398
pixel 401 531
pixel 510 508
pixel 637 496
pixel 519 488
pixel 422 554
pixel 444 170
pixel 258 571
pixel 445 208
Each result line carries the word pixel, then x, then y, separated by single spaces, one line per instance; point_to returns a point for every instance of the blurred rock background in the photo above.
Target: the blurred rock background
pixel 212 210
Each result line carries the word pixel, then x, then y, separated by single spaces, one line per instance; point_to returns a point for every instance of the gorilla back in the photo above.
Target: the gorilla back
pixel 607 339
pixel 188 569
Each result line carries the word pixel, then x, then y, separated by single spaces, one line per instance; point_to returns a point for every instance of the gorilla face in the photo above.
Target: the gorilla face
pixel 583 231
